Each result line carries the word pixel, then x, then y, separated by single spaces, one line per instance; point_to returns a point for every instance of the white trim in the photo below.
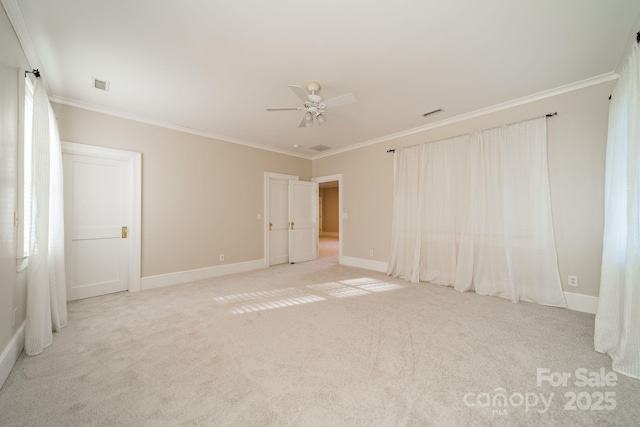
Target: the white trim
pixel 580 302
pixel 367 264
pixel 135 160
pixel 24 37
pixel 603 78
pixel 329 234
pixel 168 125
pixel 11 353
pixel 20 27
pixel 17 20
pixel 265 215
pixel 22 261
pixel 340 234
pixel 162 280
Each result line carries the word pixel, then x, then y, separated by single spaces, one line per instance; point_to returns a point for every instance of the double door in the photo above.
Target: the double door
pixel 292 221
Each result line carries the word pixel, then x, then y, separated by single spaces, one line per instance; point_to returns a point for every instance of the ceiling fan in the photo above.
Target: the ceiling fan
pixel 314 107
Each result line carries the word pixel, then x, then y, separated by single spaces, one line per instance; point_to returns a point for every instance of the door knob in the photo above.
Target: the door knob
pixel 125 231
pixel 270 225
pixel 292 224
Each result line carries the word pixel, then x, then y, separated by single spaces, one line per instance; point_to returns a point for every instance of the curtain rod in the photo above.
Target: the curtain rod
pixel 35 72
pixel 555 113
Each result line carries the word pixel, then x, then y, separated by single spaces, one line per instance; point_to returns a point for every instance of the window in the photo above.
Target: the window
pixel 24 217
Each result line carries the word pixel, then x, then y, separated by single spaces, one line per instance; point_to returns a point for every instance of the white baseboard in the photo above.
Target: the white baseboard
pixel 575 302
pixel 367 264
pixel 11 353
pixel 329 234
pixel 162 280
pixel 583 303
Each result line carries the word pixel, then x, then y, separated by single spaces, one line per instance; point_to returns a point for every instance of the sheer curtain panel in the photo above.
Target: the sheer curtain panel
pixel 46 286
pixel 406 231
pixel 443 204
pixel 481 217
pixel 617 328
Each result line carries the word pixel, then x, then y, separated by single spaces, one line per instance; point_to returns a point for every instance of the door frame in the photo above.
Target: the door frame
pixel 135 230
pixel 331 178
pixel 268 176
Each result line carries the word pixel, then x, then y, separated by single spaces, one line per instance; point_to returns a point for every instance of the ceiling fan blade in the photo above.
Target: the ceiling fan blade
pixel 299 90
pixel 304 123
pixel 347 98
pixel 284 109
pixel 335 117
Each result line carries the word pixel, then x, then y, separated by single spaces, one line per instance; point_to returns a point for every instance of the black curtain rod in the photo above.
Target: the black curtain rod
pixel 555 113
pixel 35 72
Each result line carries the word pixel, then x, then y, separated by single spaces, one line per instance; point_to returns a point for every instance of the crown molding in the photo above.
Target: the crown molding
pixel 17 21
pixel 20 27
pixel 24 36
pixel 167 125
pixel 603 78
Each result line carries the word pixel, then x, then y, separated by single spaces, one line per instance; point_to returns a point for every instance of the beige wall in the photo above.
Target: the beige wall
pixel 576 141
pixel 13 293
pixel 330 208
pixel 200 196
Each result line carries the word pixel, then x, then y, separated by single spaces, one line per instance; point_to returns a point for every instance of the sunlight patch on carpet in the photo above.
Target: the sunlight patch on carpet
pixel 287 297
pixel 251 296
pixel 269 305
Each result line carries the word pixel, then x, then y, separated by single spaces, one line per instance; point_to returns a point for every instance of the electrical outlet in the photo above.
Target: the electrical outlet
pixel 345 215
pixel 573 281
pixel 259 216
pixel 370 252
pixel 221 257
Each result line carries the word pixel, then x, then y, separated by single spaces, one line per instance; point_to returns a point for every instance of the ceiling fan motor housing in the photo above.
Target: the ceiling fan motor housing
pixel 313 87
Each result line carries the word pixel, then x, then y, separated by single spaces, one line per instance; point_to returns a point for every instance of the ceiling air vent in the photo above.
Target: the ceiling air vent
pixel 320 148
pixel 439 110
pixel 100 84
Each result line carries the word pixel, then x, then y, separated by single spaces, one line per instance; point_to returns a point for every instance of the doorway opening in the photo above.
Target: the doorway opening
pixel 330 236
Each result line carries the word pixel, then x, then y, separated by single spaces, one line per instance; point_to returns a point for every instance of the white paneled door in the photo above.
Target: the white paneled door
pixel 278 221
pixel 292 218
pixel 98 221
pixel 303 217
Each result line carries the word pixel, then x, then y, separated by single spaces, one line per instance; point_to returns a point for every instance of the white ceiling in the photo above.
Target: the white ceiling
pixel 214 66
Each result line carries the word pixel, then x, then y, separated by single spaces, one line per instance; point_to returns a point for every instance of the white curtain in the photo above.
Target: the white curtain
pixel 474 212
pixel 617 327
pixel 46 286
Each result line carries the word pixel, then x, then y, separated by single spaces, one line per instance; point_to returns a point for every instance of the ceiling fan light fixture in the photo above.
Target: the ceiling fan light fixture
pixel 313 104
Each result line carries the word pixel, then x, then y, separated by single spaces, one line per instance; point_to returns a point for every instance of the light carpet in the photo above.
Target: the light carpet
pixel 313 343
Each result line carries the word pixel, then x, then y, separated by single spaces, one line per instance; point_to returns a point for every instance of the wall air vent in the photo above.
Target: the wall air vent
pixel 320 148
pixel 100 84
